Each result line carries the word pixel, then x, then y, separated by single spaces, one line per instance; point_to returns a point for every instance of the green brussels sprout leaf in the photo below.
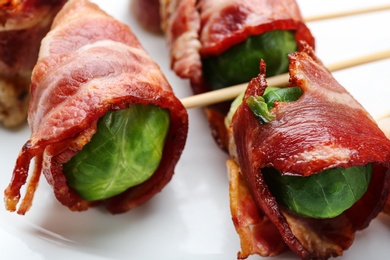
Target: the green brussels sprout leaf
pixel 241 62
pixel 323 195
pixel 124 152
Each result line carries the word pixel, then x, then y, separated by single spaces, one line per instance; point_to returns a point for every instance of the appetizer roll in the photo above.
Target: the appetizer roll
pixel 309 166
pixel 217 44
pixel 106 125
pixel 23 24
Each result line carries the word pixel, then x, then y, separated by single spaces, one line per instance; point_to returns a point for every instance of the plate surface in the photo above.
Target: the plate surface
pixel 190 218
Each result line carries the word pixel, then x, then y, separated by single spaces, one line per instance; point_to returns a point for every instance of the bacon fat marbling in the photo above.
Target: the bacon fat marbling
pixel 23 24
pixel 90 63
pixel 325 128
pixel 199 29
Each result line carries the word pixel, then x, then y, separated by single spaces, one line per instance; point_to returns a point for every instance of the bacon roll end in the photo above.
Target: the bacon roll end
pixel 90 64
pixel 196 30
pixel 325 128
pixel 21 22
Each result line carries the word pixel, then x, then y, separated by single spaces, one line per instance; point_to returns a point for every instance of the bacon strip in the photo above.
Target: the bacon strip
pixel 90 63
pixel 23 24
pixel 198 29
pixel 325 128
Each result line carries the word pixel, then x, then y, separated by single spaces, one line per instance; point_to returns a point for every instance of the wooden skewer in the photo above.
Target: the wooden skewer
pixel 280 80
pixel 347 13
pixel 229 93
pixel 384 123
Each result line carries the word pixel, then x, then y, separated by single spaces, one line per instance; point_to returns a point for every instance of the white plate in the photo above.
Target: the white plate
pixel 190 218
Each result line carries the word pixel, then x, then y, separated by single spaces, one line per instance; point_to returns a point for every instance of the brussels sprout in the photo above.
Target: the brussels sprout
pixel 241 62
pixel 323 195
pixel 124 152
pixel 260 105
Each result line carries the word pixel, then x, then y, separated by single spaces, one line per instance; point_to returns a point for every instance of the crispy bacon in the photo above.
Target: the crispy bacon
pixel 257 233
pixel 23 24
pixel 224 24
pixel 89 64
pixel 210 27
pixel 325 128
pixel 181 24
pixel 198 29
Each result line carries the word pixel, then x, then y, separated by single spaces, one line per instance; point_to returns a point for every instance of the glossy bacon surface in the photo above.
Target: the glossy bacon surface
pixel 23 24
pixel 89 64
pixel 325 128
pixel 226 23
pixel 210 27
pixel 198 29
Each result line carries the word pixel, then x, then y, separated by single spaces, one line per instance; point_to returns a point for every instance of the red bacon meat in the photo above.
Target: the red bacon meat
pixel 325 128
pixel 89 64
pixel 23 24
pixel 199 29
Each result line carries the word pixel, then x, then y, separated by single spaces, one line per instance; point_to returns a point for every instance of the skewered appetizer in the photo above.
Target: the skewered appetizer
pixel 106 125
pixel 309 166
pixel 23 24
pixel 216 44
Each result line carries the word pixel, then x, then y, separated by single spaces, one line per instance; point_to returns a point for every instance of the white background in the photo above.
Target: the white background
pixel 190 218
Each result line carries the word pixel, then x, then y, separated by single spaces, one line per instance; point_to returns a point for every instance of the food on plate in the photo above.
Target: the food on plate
pixel 309 167
pixel 216 44
pixel 23 24
pixel 147 13
pixel 106 125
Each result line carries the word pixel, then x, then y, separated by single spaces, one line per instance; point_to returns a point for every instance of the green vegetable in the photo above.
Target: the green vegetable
pixel 125 151
pixel 323 195
pixel 272 95
pixel 233 107
pixel 260 105
pixel 241 62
